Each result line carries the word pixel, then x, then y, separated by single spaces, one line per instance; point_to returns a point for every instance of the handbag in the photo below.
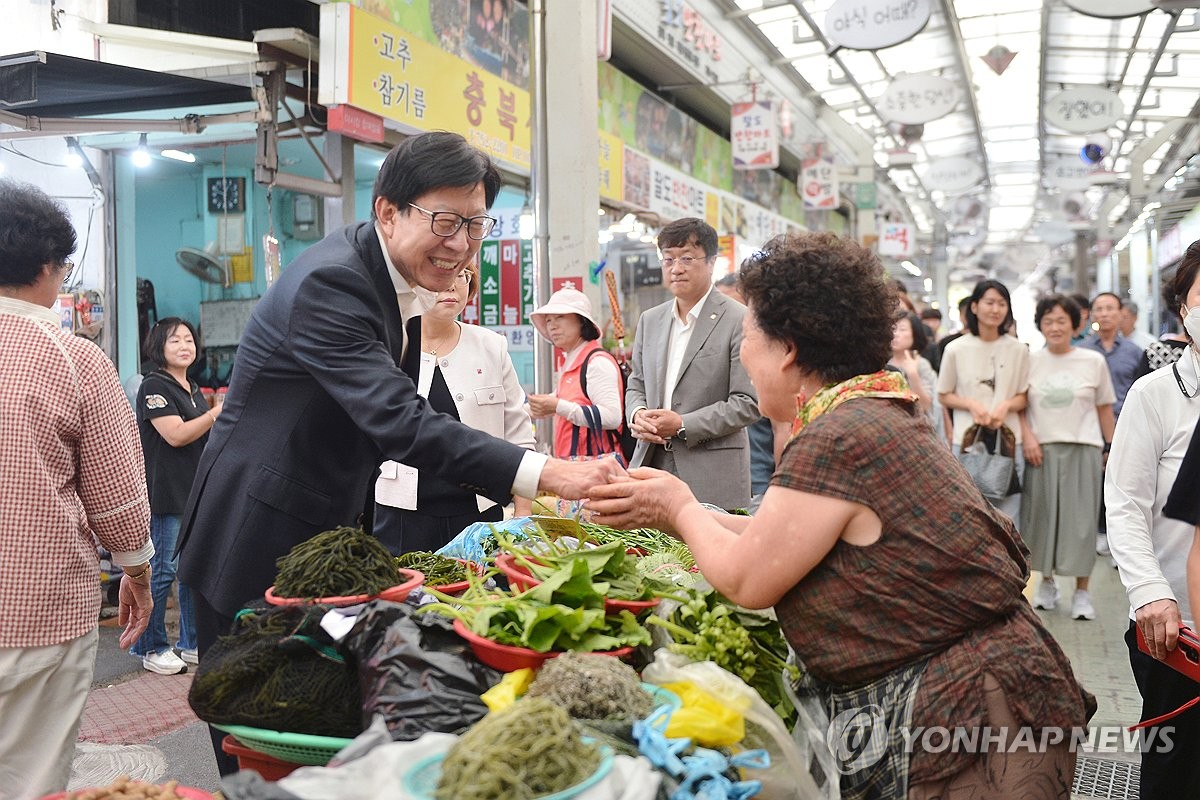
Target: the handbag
pixel 990 458
pixel 1184 659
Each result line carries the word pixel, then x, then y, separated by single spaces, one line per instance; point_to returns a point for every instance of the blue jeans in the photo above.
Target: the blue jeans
pixel 164 533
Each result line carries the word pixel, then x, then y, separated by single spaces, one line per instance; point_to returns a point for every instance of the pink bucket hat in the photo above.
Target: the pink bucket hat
pixel 564 301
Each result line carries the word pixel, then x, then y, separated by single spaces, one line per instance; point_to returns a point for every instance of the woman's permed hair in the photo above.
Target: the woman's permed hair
pixel 156 340
pixel 827 296
pixel 35 230
pixel 1053 301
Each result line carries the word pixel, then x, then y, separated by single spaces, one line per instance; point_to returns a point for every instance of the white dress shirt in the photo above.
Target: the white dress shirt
pixel 681 334
pixel 415 300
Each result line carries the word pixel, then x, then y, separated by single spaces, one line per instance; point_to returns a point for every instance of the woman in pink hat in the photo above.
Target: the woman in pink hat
pixel 587 402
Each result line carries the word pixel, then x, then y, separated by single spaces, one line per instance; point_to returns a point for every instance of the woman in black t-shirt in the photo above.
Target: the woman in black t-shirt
pixel 174 420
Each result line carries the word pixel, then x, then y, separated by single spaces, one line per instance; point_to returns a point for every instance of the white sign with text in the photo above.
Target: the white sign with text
pixel 1085 109
pixel 953 175
pixel 875 24
pixel 917 99
pixel 1111 9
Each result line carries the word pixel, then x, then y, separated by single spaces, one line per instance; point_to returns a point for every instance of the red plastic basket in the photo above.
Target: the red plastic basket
pixel 458 587
pixel 520 579
pixel 507 658
pixel 397 594
pixel 183 791
pixel 271 768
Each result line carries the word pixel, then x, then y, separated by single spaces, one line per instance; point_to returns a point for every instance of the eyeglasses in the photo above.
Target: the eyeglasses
pixel 68 267
pixel 447 223
pixel 684 261
pixel 463 278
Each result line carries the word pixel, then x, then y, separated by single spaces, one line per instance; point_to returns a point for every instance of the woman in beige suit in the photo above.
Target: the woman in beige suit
pixel 464 371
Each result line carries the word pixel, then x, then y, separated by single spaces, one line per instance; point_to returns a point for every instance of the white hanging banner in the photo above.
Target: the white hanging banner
pixel 818 183
pixel 896 239
pixel 1111 9
pixel 1068 172
pixel 1085 109
pixel 875 24
pixel 953 175
pixel 753 133
pixel 917 99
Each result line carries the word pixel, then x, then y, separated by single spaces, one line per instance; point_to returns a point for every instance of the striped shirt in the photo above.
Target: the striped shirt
pixel 71 474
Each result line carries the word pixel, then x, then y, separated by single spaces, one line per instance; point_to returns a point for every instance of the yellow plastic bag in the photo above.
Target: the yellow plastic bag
pixel 505 693
pixel 703 718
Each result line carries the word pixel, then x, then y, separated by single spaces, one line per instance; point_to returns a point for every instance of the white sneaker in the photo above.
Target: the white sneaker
pixel 1102 548
pixel 1046 595
pixel 1082 607
pixel 164 663
pixel 191 656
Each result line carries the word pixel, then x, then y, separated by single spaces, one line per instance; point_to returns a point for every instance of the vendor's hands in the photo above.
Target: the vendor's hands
pixel 1033 449
pixel 542 405
pixel 653 500
pixel 134 605
pixel 572 480
pixel 1159 621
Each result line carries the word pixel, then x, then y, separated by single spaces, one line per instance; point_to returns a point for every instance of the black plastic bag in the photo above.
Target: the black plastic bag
pixel 416 672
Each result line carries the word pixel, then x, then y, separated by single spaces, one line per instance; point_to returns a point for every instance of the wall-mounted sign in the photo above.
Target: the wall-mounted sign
pixel 917 99
pixel 1068 172
pixel 1111 9
pixel 612 167
pixel 897 239
pixel 875 24
pixel 1085 109
pixel 818 183
pixel 753 134
pixel 355 123
pixel 953 175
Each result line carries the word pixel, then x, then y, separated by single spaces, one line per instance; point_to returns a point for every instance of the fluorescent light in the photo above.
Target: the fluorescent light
pixel 179 155
pixel 911 268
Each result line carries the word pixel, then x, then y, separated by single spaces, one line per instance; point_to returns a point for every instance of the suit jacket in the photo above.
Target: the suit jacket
pixel 713 395
pixel 487 394
pixel 316 403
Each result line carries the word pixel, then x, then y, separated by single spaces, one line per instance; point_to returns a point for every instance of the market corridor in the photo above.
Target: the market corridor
pixel 139 724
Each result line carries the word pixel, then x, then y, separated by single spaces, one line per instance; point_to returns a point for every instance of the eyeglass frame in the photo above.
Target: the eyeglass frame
pixel 462 221
pixel 685 261
pixel 465 275
pixel 68 268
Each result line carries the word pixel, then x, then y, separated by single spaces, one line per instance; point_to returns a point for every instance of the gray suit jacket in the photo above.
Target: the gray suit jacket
pixel 713 395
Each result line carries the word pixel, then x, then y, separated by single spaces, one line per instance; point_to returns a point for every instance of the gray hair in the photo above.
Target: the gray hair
pixel 1132 306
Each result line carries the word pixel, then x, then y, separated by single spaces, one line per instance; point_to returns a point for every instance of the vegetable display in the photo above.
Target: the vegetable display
pixel 340 562
pixel 614 575
pixel 707 627
pixel 438 570
pixel 528 751
pixel 592 687
pixel 124 789
pixel 564 612
pixel 646 539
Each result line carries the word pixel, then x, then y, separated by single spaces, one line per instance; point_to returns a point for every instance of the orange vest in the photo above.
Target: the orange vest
pixel 587 442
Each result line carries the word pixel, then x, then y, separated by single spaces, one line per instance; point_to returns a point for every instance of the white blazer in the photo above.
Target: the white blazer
pixel 487 395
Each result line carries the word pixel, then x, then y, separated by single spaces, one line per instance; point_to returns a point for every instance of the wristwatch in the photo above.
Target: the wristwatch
pixel 681 434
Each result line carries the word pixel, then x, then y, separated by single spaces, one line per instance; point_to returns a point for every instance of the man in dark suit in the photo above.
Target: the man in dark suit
pixel 318 400
pixel 688 398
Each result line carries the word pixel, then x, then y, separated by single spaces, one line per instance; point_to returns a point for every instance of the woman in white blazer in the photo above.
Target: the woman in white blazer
pixel 464 371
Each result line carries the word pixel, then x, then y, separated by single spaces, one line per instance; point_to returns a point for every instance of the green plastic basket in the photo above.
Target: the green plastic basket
pixel 295 748
pixel 422 779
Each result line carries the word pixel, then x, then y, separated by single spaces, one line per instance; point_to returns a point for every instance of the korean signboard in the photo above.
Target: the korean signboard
pixel 917 99
pixel 753 133
pixel 375 66
pixel 612 167
pixel 818 183
pixel 875 24
pixel 1085 109
pixel 896 239
pixel 505 296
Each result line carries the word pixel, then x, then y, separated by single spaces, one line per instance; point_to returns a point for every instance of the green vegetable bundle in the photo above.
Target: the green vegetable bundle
pixel 527 751
pixel 438 570
pixel 337 563
pixel 648 540
pixel 707 627
pixel 564 612
pixel 614 575
pixel 592 687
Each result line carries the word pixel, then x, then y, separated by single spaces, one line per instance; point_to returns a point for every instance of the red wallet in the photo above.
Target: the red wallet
pixel 1185 658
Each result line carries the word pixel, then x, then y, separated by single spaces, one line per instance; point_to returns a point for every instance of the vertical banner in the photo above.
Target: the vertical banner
pixel 510 282
pixel 896 240
pixel 489 284
pixel 753 132
pixel 528 300
pixel 818 183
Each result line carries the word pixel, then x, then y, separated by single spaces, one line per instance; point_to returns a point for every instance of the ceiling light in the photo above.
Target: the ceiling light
pixel 141 156
pixel 911 268
pixel 179 155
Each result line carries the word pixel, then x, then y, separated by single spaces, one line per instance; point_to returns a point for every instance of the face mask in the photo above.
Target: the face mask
pixel 1191 323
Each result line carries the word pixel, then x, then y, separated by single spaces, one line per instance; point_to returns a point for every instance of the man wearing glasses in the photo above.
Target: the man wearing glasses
pixel 318 399
pixel 688 398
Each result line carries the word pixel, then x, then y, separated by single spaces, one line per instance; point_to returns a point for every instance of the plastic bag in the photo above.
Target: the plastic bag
pixel 511 687
pixel 477 541
pixel 416 672
pixel 788 778
pixel 703 718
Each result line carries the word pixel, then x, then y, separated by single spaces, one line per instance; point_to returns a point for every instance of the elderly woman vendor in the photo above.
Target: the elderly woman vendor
pixel 909 609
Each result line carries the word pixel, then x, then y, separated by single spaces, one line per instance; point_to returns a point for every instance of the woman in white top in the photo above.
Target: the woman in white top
pixel 587 404
pixel 1151 550
pixel 985 374
pixel 1068 427
pixel 464 371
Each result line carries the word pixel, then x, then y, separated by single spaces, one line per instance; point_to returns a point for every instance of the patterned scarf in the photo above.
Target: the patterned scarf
pixel 885 383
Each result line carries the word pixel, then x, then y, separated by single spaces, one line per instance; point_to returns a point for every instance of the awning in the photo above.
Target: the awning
pixel 51 85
